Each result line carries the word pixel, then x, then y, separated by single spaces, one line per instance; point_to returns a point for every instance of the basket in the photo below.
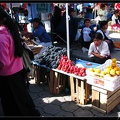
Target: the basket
pixel 36 50
pixel 103 81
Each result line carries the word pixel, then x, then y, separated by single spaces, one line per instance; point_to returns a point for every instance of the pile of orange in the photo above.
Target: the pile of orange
pixel 111 70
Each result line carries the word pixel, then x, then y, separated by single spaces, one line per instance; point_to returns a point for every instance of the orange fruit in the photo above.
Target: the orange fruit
pixel 113 64
pixel 116 68
pixel 114 60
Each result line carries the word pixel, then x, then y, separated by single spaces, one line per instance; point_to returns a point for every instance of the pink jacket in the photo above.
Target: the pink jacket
pixel 8 63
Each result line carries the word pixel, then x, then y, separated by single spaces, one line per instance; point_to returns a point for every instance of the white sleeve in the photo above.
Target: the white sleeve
pixel 113 20
pixel 91 48
pixel 105 13
pixel 105 49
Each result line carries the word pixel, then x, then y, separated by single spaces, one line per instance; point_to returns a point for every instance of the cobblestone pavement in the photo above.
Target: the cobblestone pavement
pixel 61 105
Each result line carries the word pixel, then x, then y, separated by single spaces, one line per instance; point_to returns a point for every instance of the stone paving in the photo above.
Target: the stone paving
pixel 61 105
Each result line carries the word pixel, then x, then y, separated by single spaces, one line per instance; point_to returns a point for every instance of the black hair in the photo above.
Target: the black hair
pixel 38 21
pixel 98 36
pixel 102 6
pixel 87 19
pixel 13 29
pixel 103 23
pixel 116 11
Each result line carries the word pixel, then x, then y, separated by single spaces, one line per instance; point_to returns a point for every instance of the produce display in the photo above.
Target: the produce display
pixel 106 76
pixel 68 66
pixel 115 27
pixel 110 70
pixel 51 56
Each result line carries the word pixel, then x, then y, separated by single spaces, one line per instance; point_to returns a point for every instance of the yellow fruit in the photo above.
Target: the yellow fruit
pixel 107 70
pixel 91 69
pixel 117 72
pixel 112 72
pixel 103 73
pixel 109 67
pixel 114 60
pixel 97 70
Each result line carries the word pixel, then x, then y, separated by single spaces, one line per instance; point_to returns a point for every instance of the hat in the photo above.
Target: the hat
pixel 71 10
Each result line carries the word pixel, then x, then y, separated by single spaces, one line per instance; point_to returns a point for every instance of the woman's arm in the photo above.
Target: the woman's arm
pixel 97 55
pixel 27 34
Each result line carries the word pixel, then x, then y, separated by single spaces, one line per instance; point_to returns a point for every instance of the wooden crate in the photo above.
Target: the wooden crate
pixel 36 50
pixel 41 74
pixel 57 82
pixel 104 100
pixel 80 90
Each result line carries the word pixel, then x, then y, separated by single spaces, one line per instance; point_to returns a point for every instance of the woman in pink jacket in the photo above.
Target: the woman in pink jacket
pixel 15 97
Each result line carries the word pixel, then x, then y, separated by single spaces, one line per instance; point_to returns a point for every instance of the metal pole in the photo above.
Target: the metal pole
pixel 67 30
pixel 11 10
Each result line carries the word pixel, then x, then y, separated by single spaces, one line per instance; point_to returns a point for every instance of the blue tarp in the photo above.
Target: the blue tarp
pixel 83 62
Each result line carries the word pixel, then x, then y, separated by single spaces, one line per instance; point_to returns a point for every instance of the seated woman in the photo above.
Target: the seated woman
pixel 99 50
pixel 39 33
pixel 105 33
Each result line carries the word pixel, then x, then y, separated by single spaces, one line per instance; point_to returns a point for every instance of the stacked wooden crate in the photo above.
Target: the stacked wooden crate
pixel 104 100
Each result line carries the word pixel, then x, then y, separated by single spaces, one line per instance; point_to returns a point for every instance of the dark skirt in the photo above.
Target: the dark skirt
pixel 15 98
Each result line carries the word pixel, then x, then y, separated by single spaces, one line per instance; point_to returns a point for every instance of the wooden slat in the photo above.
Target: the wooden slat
pixel 113 104
pixel 111 93
pixel 55 90
pixel 72 88
pixel 77 92
pixel 113 97
pixel 51 82
pixel 82 95
pixel 99 89
pixel 95 98
pixel 87 92
pixel 103 101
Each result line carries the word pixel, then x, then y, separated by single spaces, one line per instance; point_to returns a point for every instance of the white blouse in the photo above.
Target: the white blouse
pixel 114 18
pixel 103 49
pixel 104 14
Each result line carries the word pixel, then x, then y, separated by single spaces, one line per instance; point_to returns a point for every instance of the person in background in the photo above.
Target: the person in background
pixel 39 33
pixel 88 9
pixel 79 8
pixel 86 34
pixel 56 18
pixel 105 33
pixel 99 50
pixel 81 17
pixel 74 33
pixel 15 98
pixel 115 19
pixel 102 14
